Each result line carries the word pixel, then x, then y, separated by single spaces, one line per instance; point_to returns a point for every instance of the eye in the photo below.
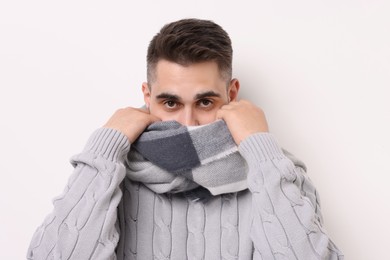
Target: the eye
pixel 206 103
pixel 170 104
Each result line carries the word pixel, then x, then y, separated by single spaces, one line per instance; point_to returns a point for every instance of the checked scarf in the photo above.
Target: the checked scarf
pixel 169 158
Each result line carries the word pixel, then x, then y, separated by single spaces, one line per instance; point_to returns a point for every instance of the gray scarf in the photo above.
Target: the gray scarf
pixel 171 158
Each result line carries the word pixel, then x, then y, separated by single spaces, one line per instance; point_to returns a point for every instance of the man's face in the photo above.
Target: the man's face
pixel 191 95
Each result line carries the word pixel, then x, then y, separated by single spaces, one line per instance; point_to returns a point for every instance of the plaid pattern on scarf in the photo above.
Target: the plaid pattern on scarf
pixel 169 157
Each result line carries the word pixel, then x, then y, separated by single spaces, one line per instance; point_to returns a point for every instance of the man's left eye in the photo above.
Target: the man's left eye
pixel 205 102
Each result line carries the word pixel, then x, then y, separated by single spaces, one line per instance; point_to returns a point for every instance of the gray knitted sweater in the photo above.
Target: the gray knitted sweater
pixel 104 215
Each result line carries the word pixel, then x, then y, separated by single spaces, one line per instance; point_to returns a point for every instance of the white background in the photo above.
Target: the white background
pixel 319 69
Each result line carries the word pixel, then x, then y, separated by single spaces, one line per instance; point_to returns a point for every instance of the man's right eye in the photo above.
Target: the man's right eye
pixel 170 104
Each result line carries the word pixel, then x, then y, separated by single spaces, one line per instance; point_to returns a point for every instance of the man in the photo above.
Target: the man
pixel 193 175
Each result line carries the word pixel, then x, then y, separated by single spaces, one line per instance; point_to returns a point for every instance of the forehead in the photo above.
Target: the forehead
pixel 191 79
pixel 166 68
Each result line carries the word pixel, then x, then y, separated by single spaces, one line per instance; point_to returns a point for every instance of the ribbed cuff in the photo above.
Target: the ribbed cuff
pixel 260 147
pixel 111 144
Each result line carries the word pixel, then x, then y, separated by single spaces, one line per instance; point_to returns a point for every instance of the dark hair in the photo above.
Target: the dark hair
pixel 190 41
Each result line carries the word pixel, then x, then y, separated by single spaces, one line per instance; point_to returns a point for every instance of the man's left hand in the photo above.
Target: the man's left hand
pixel 243 119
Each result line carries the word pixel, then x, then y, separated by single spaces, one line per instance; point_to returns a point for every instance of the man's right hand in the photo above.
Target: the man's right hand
pixel 131 121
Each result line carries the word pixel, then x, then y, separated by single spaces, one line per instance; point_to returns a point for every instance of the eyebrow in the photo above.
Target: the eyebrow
pixel 207 94
pixel 170 96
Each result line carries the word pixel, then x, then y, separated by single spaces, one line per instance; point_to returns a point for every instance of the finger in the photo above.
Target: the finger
pixel 221 113
pixel 141 109
pixel 154 118
pixel 227 106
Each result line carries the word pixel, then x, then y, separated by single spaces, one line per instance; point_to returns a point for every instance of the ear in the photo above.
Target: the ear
pixel 234 87
pixel 146 92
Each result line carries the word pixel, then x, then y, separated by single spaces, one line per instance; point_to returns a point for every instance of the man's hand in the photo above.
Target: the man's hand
pixel 243 119
pixel 131 121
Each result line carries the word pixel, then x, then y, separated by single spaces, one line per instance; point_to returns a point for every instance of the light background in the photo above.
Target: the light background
pixel 319 69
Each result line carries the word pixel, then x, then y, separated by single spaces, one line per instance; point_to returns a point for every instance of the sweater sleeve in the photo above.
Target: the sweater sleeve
pixel 287 222
pixel 83 222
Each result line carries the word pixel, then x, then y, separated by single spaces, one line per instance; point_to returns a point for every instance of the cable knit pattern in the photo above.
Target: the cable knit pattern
pixel 229 223
pixel 103 215
pixel 162 239
pixel 128 217
pixel 289 220
pixel 82 225
pixel 196 223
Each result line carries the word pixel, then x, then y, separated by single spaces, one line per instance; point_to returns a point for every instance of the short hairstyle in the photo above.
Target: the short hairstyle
pixel 190 41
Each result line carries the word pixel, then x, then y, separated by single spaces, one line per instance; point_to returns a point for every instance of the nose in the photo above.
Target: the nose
pixel 188 117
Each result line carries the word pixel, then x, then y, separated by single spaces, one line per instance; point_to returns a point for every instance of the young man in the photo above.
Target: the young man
pixel 193 175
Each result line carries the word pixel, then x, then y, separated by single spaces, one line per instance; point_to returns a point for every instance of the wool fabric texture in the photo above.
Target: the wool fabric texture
pixel 170 157
pixel 104 214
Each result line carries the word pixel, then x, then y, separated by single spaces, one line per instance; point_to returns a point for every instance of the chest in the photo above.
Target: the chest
pixel 171 226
